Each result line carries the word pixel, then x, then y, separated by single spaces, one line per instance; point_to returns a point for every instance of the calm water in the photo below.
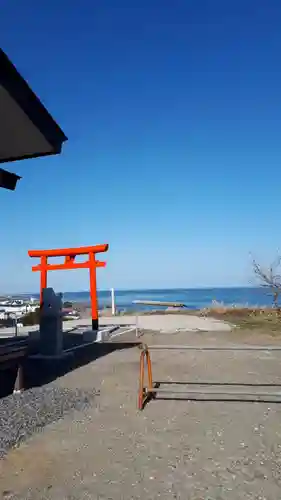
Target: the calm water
pixel 192 298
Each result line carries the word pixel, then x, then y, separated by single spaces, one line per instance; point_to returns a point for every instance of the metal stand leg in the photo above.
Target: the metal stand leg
pixel 145 393
pixel 19 383
pixel 141 382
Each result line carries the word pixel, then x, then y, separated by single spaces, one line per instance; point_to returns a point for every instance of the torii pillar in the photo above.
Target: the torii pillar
pixel 69 263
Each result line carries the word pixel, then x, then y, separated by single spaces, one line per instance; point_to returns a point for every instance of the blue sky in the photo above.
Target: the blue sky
pixel 173 113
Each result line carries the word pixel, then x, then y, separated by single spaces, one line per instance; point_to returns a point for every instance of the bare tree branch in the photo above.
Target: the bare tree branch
pixel 269 277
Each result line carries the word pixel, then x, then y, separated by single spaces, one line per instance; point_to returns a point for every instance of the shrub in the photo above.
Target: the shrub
pixel 32 318
pixel 67 305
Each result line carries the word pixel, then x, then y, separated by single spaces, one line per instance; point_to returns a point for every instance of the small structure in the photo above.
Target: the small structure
pixel 69 263
pixel 27 128
pixel 27 131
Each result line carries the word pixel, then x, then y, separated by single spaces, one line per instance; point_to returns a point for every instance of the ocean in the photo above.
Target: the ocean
pixel 193 298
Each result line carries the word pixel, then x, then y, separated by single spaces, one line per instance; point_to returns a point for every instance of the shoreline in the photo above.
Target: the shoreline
pixel 217 308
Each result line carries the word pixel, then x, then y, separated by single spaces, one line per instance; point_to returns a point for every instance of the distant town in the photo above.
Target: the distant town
pixel 15 311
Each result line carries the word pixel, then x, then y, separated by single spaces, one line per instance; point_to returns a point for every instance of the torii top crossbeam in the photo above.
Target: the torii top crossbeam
pixel 69 263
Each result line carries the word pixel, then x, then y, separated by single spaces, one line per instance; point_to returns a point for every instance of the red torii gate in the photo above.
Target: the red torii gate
pixel 69 263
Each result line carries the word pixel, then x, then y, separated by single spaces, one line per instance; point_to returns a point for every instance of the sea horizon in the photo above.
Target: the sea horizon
pixel 102 290
pixel 192 298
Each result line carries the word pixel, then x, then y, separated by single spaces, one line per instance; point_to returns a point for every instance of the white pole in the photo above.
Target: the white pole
pixel 112 302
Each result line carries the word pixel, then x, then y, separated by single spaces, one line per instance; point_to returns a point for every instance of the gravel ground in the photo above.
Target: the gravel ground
pixel 171 450
pixel 23 414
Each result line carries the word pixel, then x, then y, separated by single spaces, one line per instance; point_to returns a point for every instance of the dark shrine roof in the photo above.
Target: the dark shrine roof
pixel 27 130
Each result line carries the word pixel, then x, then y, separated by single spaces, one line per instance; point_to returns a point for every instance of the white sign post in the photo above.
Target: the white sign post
pixel 113 311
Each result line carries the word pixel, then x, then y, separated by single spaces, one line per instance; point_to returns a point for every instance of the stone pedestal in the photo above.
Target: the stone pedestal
pixel 34 335
pixel 90 336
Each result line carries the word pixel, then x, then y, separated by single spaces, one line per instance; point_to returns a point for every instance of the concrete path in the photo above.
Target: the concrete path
pixel 170 323
pixel 164 323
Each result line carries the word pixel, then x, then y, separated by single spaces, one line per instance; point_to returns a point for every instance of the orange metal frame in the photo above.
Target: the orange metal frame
pixel 145 393
pixel 69 263
pixel 209 389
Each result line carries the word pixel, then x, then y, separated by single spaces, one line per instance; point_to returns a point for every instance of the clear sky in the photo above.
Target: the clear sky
pixel 173 113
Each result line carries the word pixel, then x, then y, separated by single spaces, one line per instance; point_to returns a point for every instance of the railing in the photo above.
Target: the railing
pixel 12 354
pixel 12 351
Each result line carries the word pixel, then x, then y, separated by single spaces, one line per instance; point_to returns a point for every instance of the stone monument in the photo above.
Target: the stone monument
pixel 51 332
